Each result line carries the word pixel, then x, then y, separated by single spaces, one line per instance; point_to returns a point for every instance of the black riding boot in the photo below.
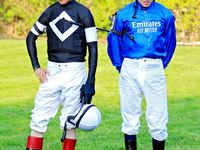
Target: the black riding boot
pixel 158 145
pixel 131 145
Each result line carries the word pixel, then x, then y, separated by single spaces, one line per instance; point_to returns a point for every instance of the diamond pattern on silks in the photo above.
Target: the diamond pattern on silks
pixel 67 33
pixel 62 25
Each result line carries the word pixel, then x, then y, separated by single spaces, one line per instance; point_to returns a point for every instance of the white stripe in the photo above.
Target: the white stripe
pixel 69 31
pixel 34 31
pixel 40 26
pixel 66 34
pixel 91 34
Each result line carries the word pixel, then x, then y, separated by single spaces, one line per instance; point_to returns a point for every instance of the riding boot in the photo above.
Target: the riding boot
pixel 34 143
pixel 131 145
pixel 69 144
pixel 158 145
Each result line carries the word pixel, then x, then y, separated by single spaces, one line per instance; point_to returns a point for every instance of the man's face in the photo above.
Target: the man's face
pixel 145 3
pixel 63 2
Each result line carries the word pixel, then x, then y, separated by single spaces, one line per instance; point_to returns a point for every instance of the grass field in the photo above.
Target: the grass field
pixel 19 85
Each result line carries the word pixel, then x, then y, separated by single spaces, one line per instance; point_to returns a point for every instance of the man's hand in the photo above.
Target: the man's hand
pixel 87 91
pixel 41 74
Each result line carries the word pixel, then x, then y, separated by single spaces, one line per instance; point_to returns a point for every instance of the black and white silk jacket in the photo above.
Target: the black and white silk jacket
pixel 66 42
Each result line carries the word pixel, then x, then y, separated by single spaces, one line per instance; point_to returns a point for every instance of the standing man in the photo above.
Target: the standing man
pixel 141 45
pixel 65 78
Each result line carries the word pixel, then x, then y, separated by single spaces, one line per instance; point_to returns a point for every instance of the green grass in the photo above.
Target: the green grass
pixel 19 85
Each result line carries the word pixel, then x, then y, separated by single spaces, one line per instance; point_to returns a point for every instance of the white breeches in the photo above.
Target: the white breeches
pixel 145 76
pixel 63 87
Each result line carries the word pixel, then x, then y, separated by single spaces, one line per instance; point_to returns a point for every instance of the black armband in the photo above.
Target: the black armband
pixel 36 28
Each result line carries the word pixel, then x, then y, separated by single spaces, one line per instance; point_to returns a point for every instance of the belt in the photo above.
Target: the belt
pixel 148 58
pixel 151 57
pixel 68 65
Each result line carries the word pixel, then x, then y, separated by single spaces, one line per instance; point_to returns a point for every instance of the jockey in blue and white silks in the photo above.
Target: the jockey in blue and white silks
pixel 153 30
pixel 141 44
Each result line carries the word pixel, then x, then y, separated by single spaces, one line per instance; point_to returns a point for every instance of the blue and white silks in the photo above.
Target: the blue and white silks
pixel 153 30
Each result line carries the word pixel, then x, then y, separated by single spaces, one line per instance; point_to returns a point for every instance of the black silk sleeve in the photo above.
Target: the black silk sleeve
pixel 32 37
pixel 32 50
pixel 92 45
pixel 93 56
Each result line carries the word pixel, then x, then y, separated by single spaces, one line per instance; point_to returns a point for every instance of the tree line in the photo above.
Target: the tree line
pixel 18 16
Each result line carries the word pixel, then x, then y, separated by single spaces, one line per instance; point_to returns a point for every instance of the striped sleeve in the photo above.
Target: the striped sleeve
pixel 41 24
pixel 90 28
pixel 91 34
